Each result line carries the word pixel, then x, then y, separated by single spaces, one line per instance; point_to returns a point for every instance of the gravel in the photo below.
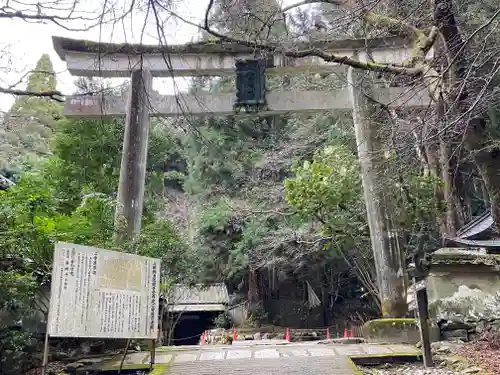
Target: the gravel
pixel 408 369
pixel 449 360
pixel 52 368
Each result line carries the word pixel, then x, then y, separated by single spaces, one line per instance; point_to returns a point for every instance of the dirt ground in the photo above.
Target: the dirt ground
pixel 479 357
pixel 484 352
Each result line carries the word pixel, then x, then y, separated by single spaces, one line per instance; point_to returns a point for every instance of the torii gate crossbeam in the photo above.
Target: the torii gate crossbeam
pixel 84 58
pixel 278 102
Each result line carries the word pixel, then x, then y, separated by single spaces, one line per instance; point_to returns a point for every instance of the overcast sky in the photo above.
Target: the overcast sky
pixel 28 41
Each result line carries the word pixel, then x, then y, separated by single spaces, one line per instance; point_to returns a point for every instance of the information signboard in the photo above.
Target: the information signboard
pixel 98 293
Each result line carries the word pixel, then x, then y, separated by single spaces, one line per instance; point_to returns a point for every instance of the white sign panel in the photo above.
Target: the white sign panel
pixel 412 305
pixel 410 292
pixel 103 294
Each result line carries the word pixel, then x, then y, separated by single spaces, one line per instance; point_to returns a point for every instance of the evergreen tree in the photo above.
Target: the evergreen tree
pixel 43 78
pixel 26 130
pixel 249 19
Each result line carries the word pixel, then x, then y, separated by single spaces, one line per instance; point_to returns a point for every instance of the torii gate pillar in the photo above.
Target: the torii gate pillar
pixel 130 199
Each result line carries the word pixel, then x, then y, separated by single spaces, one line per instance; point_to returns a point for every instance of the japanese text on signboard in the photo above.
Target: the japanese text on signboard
pixel 101 293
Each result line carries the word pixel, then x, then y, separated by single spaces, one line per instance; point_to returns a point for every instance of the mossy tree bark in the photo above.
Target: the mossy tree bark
pixel 461 99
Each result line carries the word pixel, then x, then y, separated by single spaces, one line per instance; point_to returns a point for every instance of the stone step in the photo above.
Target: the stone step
pixel 278 366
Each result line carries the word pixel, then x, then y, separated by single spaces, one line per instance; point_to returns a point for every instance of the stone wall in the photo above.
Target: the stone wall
pixel 467 313
pixel 464 284
pixel 466 304
pixel 467 329
pixel 463 287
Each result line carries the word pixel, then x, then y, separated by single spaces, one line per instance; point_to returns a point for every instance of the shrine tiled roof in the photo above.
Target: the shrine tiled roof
pixel 199 297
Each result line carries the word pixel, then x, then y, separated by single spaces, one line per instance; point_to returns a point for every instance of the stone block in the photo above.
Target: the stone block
pixel 267 353
pixel 212 356
pixel 163 358
pixel 456 334
pixel 451 325
pixel 396 331
pixel 321 352
pixel 239 354
pixel 72 367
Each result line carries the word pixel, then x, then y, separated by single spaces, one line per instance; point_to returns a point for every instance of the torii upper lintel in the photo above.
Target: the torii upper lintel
pixel 88 58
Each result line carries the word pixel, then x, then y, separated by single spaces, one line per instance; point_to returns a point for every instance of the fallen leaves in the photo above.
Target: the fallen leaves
pixel 484 352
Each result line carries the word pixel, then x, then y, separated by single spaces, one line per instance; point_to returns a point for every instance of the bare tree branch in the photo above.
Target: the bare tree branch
pixel 313 52
pixel 54 95
pixel 57 20
pixel 309 2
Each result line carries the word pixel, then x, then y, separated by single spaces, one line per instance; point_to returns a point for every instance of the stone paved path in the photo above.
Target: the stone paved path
pixel 280 366
pixel 293 359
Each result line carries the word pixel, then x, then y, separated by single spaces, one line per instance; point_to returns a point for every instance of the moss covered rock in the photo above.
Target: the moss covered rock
pixel 396 331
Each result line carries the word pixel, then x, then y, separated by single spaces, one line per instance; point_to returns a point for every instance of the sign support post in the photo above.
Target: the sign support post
pixel 45 360
pixel 423 315
pixel 421 304
pixel 153 354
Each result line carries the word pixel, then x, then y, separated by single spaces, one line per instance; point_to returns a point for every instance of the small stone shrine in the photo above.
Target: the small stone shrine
pixel 464 282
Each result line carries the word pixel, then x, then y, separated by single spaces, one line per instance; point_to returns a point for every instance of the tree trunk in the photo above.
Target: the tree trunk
pixel 476 133
pixel 488 163
pixel 447 176
pixel 449 161
pixel 449 222
pixel 484 192
pixel 432 152
pixel 253 288
pixel 324 296
pixel 368 117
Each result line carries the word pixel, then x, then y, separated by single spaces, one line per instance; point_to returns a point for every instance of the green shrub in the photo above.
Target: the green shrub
pixel 223 320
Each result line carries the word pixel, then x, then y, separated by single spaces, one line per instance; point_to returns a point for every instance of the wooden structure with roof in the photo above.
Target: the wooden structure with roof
pixel 190 310
pixel 185 298
pixel 5 182
pixel 478 233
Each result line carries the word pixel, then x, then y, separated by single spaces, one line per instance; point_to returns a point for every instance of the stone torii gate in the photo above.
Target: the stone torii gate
pixel 142 63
